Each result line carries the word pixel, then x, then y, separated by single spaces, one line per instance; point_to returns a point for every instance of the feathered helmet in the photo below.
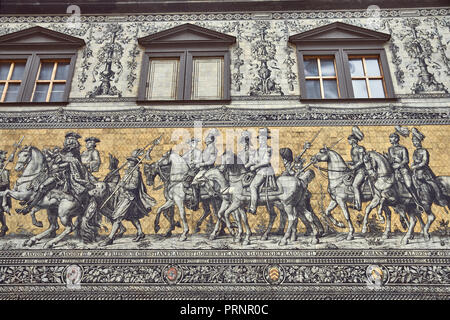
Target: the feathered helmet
pixel 135 156
pixel 357 134
pixel 403 131
pixel 212 134
pixel 245 135
pixel 417 134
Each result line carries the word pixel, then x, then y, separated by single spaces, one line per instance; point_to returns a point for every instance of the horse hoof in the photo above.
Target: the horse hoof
pixel 282 243
pixel 197 230
pixel 183 237
pixel 314 240
pixel 157 228
pixel 212 237
pixel 427 237
pixel 48 245
pixel 38 224
pixel 385 237
pixel 264 238
pixel 168 234
pixel 350 237
pixel 246 242
pixel 404 241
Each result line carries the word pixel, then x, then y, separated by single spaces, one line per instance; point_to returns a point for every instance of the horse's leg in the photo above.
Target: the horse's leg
pixel 387 229
pixel 291 217
pixel 50 232
pixel 156 226
pixel 220 213
pixel 315 230
pixel 179 201
pixel 301 216
pixel 169 214
pixel 294 228
pixel 248 231
pixel 283 220
pixel 272 216
pixel 65 212
pixel 226 215
pixel 237 217
pixel 34 221
pixel 333 204
pixel 206 212
pixel 412 224
pixel 4 228
pixel 430 219
pixel 375 202
pixel 344 208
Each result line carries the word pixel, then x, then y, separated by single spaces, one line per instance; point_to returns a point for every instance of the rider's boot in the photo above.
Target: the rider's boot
pixel 413 192
pixel 357 199
pixel 195 198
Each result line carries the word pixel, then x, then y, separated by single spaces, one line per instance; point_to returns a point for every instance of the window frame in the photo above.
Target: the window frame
pixel 65 47
pixel 208 43
pixel 325 41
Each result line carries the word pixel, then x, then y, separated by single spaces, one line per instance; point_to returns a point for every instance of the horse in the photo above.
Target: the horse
pixel 290 196
pixel 338 181
pixel 33 165
pixel 155 169
pixel 401 199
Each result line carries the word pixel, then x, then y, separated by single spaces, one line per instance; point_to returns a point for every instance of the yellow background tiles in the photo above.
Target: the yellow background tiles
pixel 121 142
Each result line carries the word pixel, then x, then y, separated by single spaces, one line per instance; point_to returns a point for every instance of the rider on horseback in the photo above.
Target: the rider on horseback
pixel 422 172
pixel 193 157
pixel 357 153
pixel 399 158
pixel 66 171
pixel 262 166
pixel 4 184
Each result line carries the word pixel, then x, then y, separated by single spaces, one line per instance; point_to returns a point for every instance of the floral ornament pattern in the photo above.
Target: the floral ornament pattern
pixel 263 52
pixel 419 47
pixel 109 56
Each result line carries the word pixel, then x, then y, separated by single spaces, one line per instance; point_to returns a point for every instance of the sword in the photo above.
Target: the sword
pixel 153 143
pixel 11 156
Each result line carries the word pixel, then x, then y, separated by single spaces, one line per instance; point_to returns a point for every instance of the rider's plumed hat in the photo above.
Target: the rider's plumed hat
pixel 403 131
pixel 73 135
pixel 135 155
pixel 96 140
pixel 357 133
pixel 264 132
pixel 245 135
pixel 417 134
pixel 213 133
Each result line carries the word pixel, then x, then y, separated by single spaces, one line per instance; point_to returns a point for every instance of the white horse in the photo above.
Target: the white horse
pixel 31 162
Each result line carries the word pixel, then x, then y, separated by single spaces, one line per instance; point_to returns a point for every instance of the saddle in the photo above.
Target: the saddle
pixel 365 188
pixel 269 186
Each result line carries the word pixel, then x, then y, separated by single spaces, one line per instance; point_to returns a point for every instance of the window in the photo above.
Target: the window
pixel 11 75
pixel 36 66
pixel 51 81
pixel 186 63
pixel 321 77
pixel 340 61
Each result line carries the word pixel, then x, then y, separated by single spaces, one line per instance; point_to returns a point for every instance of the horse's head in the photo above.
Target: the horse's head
pixel 23 158
pixel 322 156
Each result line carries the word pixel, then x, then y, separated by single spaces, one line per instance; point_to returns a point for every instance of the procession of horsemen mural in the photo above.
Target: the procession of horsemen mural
pixel 122 176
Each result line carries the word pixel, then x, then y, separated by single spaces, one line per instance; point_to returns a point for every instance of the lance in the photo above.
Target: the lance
pixel 334 144
pixel 11 156
pixel 153 143
pixel 312 140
